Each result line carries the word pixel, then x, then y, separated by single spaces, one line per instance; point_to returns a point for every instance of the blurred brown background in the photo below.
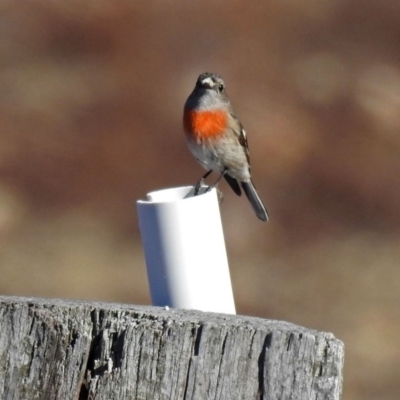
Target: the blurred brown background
pixel 91 97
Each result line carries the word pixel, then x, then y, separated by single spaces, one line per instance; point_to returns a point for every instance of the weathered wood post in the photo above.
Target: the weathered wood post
pixel 57 349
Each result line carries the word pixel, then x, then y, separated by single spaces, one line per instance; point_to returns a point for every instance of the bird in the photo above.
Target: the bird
pixel 218 140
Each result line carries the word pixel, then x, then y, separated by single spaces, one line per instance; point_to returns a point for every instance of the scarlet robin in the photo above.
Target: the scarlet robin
pixel 217 139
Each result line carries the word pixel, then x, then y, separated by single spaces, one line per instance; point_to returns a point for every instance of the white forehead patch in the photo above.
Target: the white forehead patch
pixel 208 81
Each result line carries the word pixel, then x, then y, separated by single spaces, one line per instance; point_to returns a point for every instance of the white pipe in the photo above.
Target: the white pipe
pixel 184 248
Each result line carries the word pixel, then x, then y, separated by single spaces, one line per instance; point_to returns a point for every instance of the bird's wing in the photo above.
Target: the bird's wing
pixel 241 136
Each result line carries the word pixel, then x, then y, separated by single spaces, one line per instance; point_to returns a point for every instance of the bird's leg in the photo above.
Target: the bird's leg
pixel 201 182
pixel 217 181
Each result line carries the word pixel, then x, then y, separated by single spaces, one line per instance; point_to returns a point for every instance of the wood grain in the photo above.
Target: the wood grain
pixel 59 349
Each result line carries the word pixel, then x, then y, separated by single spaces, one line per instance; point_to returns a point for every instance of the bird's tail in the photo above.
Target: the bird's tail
pixel 255 200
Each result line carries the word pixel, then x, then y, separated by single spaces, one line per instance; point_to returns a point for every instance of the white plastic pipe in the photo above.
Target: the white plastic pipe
pixel 184 248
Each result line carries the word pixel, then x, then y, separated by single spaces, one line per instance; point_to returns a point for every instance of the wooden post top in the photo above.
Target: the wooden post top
pixel 65 349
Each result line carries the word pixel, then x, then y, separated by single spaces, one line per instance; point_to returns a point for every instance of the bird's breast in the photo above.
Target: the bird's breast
pixel 202 125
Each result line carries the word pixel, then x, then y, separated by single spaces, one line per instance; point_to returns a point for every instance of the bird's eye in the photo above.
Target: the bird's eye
pixel 221 88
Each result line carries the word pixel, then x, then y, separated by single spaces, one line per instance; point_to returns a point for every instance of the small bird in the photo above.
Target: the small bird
pixel 217 139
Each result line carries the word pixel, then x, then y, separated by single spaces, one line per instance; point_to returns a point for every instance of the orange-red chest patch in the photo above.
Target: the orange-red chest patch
pixel 204 124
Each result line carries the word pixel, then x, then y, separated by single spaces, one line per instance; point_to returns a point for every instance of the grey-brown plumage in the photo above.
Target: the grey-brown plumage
pixel 217 139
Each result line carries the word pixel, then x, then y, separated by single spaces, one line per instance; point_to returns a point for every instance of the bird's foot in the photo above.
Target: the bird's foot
pixel 199 184
pixel 220 196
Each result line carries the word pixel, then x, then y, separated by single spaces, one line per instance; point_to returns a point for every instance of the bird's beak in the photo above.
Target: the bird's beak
pixel 207 83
